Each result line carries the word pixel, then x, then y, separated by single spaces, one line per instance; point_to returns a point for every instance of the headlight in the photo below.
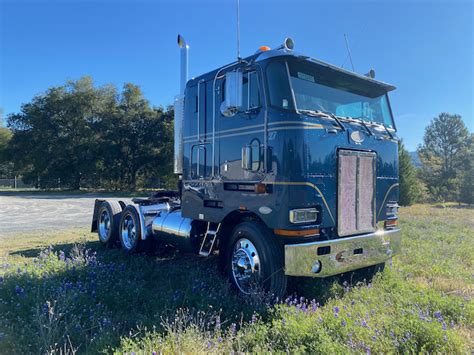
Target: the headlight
pixel 392 210
pixel 303 215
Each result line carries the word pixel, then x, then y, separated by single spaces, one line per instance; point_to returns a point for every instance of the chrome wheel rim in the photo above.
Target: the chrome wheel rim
pixel 246 268
pixel 104 225
pixel 128 232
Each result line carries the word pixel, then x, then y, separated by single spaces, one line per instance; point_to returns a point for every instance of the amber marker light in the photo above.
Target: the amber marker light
pixel 264 48
pixel 297 233
pixel 260 188
pixel 391 223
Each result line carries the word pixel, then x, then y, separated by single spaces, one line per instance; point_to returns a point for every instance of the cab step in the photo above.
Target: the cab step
pixel 209 239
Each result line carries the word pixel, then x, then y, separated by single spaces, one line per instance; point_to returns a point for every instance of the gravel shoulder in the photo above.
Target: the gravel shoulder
pixel 25 213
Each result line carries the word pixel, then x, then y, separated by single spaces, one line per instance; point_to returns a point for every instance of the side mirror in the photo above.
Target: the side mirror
pixel 233 93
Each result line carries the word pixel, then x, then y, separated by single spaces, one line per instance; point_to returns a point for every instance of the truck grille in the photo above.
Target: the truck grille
pixel 356 192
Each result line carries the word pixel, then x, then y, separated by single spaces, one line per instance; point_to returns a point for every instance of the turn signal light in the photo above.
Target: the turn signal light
pixel 297 233
pixel 390 223
pixel 260 188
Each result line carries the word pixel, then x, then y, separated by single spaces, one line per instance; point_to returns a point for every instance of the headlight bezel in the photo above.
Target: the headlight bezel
pixel 303 215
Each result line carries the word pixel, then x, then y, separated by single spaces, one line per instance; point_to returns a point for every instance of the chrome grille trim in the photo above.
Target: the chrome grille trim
pixel 356 192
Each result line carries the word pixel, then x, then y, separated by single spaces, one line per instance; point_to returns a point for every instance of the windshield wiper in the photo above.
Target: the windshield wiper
pixel 380 124
pixel 361 121
pixel 324 114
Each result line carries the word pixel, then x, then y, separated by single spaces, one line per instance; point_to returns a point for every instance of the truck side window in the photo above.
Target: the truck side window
pixel 251 156
pixel 198 162
pixel 279 86
pixel 251 92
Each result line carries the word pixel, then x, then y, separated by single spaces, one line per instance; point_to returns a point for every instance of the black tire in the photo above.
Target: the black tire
pixel 271 277
pixel 365 274
pixel 108 221
pixel 130 230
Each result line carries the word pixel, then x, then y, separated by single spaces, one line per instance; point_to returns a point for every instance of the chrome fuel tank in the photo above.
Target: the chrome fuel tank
pixel 173 228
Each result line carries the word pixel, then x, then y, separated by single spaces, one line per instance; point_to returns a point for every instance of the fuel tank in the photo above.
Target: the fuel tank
pixel 171 227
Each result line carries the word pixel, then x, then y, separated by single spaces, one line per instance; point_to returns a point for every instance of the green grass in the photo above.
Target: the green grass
pixel 78 296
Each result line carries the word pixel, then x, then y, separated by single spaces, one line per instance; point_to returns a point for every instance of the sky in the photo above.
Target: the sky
pixel 424 48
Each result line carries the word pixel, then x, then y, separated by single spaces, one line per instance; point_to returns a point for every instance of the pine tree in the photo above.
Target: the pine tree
pixel 467 175
pixel 410 186
pixel 442 156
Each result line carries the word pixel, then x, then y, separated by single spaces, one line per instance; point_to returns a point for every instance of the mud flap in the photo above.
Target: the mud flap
pixel 97 204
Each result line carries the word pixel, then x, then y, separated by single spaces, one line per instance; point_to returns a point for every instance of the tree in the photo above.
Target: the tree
pixel 138 139
pixel 5 164
pixel 54 137
pixel 84 136
pixel 441 154
pixel 467 177
pixel 410 185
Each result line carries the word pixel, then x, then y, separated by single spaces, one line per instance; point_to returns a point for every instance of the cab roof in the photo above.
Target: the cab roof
pixel 274 53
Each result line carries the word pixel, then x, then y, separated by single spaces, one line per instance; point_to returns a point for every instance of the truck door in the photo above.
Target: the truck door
pixel 200 157
pixel 241 137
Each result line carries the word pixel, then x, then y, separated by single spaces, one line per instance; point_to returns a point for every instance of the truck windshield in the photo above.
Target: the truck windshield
pixel 317 88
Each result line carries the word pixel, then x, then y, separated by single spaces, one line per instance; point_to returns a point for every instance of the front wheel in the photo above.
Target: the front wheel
pixel 255 260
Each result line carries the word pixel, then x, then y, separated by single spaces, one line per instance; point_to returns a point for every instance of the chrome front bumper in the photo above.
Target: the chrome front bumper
pixel 341 255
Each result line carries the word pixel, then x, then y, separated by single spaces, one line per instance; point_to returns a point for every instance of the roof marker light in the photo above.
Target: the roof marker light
pixel 264 48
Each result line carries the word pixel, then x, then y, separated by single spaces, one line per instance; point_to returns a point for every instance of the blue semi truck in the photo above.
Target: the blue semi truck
pixel 287 165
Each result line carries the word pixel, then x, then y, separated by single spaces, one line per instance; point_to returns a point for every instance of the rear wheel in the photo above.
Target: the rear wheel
pixel 130 230
pixel 255 260
pixel 108 221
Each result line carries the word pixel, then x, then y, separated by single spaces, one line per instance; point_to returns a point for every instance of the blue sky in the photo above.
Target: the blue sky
pixel 425 48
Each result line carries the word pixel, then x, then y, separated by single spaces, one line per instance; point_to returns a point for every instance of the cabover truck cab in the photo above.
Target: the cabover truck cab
pixel 288 166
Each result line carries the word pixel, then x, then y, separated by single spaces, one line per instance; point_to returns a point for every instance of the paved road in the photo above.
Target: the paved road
pixel 31 213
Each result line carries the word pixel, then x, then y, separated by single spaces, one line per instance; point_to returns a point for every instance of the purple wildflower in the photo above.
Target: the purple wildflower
pixel 343 323
pixel 254 319
pixel 444 326
pixel 233 329
pixel 19 291
pixel 437 314
pixel 336 309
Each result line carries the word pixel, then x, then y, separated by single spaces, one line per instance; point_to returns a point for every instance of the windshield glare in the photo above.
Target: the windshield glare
pixel 315 90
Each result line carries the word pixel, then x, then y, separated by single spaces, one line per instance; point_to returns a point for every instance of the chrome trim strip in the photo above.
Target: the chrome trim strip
pixel 377 247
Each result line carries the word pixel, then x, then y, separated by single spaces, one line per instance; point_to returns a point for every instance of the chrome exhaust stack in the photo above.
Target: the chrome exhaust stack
pixel 184 63
pixel 179 108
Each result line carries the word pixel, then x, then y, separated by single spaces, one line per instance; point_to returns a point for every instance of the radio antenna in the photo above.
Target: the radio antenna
pixel 349 52
pixel 238 29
